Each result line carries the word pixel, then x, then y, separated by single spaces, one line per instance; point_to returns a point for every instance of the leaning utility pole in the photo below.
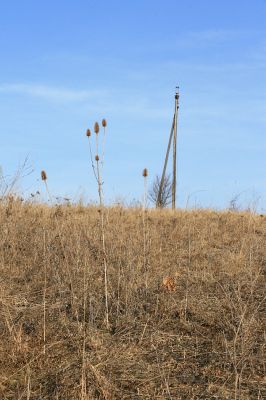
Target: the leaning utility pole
pixel 173 135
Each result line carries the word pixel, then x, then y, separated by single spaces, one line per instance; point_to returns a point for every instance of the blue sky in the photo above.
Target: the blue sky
pixel 65 64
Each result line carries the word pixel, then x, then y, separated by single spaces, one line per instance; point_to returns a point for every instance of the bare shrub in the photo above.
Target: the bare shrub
pixel 166 192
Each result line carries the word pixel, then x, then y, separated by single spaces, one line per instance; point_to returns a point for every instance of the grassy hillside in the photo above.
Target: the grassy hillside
pixel 186 297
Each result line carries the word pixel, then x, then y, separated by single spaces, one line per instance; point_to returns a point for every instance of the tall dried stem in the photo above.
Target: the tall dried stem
pixel 83 373
pixel 145 175
pixel 88 134
pixel 44 293
pixel 97 173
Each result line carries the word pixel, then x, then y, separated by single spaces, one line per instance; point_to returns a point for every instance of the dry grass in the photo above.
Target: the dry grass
pixel 189 323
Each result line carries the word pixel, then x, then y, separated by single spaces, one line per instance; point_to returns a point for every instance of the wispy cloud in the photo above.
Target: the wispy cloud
pixel 113 102
pixel 208 37
pixel 51 93
pixel 203 39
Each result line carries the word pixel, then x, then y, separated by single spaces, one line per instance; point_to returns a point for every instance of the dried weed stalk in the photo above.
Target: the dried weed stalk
pixel 98 175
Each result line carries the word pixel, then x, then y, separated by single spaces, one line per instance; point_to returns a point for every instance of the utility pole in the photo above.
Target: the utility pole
pixel 173 136
pixel 174 148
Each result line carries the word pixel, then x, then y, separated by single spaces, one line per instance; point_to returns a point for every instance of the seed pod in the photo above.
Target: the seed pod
pixel 88 132
pixel 96 128
pixel 145 172
pixel 104 123
pixel 43 175
pixel 97 157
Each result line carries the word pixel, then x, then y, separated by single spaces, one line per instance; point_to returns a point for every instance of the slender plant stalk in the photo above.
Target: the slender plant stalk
pixel 145 175
pixel 83 374
pixel 97 173
pixel 103 243
pixel 187 275
pixel 145 190
pixel 92 163
pixel 44 179
pixel 105 272
pixel 99 181
pixel 28 384
pixel 44 293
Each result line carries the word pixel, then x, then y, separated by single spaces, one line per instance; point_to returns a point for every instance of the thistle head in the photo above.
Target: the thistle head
pixel 43 175
pixel 88 132
pixel 96 128
pixel 145 172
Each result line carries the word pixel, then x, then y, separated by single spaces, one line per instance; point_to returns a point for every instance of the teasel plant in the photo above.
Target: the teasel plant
pixel 97 166
pixel 144 209
pixel 97 159
pixel 83 373
pixel 44 179
pixel 145 176
pixel 104 125
pixel 88 134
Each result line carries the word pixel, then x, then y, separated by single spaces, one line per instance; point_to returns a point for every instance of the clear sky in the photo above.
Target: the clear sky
pixel 65 64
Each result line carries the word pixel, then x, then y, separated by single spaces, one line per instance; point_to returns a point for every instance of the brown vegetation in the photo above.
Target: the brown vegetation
pixel 188 323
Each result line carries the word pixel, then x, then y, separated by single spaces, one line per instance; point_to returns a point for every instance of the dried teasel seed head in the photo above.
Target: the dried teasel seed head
pixel 104 123
pixel 96 128
pixel 145 172
pixel 88 132
pixel 43 175
pixel 97 158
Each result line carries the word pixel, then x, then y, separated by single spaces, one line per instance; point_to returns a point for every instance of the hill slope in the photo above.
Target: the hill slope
pixel 186 297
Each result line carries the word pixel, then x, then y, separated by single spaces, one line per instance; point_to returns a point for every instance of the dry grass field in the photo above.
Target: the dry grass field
pixel 186 298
